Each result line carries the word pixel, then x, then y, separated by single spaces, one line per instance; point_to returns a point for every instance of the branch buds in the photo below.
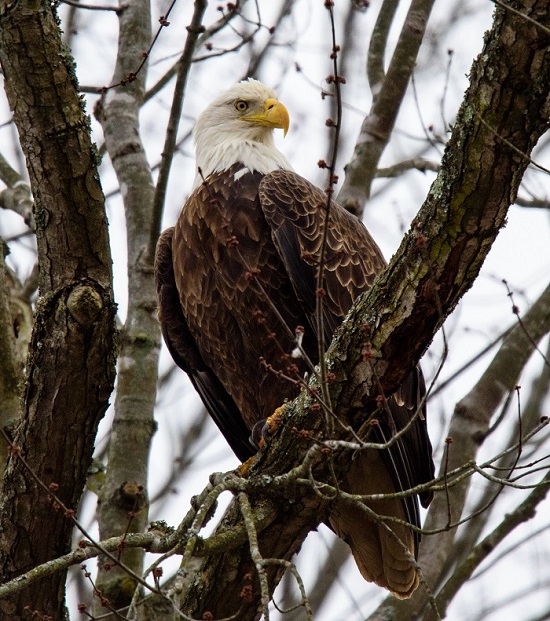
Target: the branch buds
pixel 330 79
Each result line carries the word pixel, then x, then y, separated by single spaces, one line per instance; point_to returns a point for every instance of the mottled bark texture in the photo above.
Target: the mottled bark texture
pixel 504 113
pixel 10 369
pixel 123 501
pixel 70 370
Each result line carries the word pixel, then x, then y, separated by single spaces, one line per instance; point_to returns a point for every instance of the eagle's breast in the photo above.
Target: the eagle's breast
pixel 223 246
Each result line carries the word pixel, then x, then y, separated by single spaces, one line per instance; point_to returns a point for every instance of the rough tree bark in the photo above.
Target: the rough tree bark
pixel 70 371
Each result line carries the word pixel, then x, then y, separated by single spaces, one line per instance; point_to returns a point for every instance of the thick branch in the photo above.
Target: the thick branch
pixel 378 44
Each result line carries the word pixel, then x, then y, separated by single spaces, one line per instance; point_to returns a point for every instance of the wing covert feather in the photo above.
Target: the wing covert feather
pixel 295 209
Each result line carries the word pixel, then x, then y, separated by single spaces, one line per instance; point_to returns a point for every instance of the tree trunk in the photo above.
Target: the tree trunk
pixel 70 372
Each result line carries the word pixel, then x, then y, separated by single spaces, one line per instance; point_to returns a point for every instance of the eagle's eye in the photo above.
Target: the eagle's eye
pixel 241 105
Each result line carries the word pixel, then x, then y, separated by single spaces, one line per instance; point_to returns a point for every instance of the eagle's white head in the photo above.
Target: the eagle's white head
pixel 238 127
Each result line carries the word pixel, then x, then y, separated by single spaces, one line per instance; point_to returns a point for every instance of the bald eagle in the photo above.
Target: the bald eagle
pixel 236 278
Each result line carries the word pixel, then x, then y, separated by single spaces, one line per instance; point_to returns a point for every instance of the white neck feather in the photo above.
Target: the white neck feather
pixel 219 148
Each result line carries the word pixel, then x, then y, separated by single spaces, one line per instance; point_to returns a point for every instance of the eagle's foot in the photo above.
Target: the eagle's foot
pixel 265 428
pixel 275 420
pixel 245 466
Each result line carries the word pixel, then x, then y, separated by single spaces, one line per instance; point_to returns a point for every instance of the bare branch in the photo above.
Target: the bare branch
pixel 537 203
pixel 378 44
pixel 469 426
pixel 420 164
pixel 378 125
pixel 11 373
pixel 93 7
pixel 194 29
pixel 524 512
pixel 123 496
pixel 204 37
pixel 17 196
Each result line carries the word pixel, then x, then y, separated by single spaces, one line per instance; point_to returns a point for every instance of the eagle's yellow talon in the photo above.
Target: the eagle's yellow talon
pixel 272 422
pixel 245 466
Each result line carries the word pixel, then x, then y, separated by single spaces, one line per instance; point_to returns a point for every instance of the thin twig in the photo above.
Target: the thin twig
pixel 254 547
pixel 336 79
pixel 523 513
pixel 509 144
pixel 70 514
pixel 94 7
pixel 207 34
pixel 194 29
pixel 523 15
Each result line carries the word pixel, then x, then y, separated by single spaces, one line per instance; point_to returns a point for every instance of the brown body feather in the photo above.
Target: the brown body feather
pixel 245 244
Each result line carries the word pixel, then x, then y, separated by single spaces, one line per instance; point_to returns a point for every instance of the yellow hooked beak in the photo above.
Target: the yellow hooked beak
pixel 274 115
